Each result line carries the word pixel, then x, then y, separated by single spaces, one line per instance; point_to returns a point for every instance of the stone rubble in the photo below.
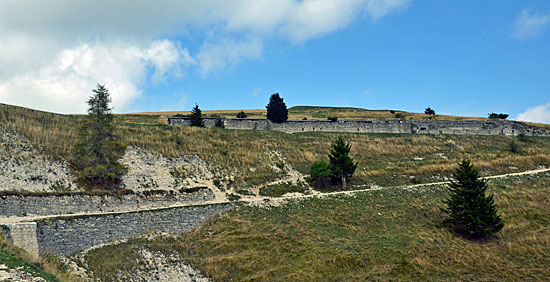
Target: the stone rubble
pixel 17 274
pixel 156 266
pixel 25 167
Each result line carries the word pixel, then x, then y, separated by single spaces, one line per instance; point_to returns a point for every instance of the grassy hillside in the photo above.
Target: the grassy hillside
pixel 391 234
pixel 49 268
pixel 250 157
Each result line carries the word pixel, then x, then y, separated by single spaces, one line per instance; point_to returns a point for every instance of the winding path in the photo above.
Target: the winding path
pixel 258 200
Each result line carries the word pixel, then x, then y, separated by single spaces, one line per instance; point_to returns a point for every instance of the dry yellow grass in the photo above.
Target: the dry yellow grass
pixel 384 159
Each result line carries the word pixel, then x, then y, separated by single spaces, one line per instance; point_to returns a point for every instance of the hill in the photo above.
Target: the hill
pixel 246 160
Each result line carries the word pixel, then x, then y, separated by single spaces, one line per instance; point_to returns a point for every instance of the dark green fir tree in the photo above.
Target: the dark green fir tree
pixel 470 211
pixel 342 164
pixel 196 117
pixel 276 109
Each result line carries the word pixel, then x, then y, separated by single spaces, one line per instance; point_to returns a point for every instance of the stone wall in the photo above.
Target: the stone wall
pixel 27 205
pixel 22 235
pixel 67 236
pixel 474 127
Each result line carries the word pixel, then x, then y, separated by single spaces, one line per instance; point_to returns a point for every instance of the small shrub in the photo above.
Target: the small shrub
pixel 233 197
pixel 333 119
pixel 392 112
pixel 523 138
pixel 400 116
pixel 305 118
pixel 278 190
pixel 245 192
pixel 320 175
pixel 219 123
pixel 514 147
pixel 241 114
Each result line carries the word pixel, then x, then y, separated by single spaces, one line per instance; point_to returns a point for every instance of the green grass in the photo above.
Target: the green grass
pixel 391 234
pixel 243 157
pixel 12 262
pixel 277 190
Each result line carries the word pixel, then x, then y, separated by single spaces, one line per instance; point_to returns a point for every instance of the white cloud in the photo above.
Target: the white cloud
pixel 539 113
pixel 53 52
pixel 529 25
pixel 214 57
pixel 64 83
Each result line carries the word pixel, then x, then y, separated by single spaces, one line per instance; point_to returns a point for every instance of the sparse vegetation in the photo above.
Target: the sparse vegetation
pixel 48 268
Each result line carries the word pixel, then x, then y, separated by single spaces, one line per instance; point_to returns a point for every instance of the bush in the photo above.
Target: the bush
pixel 514 147
pixel 523 138
pixel 333 119
pixel 305 118
pixel 219 123
pixel 320 175
pixel 498 116
pixel 241 114
pixel 400 116
pixel 392 112
pixel 277 190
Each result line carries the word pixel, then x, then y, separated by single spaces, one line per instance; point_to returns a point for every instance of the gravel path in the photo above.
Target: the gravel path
pixel 259 200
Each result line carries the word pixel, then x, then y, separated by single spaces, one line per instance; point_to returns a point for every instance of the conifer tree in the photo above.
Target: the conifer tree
pixel 196 117
pixel 471 212
pixel 276 109
pixel 342 164
pixel 97 154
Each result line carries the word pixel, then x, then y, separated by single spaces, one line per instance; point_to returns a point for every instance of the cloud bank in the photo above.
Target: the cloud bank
pixel 539 114
pixel 54 52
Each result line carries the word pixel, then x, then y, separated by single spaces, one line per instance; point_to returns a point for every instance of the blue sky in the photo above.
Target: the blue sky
pixel 459 57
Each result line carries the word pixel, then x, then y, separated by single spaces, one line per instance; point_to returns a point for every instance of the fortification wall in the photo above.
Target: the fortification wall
pixel 474 127
pixel 67 236
pixel 27 205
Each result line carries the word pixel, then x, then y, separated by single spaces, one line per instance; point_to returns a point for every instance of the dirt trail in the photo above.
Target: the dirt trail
pixel 258 200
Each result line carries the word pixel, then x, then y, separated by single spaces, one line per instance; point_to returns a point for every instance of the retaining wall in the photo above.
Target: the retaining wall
pixel 65 236
pixel 27 205
pixel 473 127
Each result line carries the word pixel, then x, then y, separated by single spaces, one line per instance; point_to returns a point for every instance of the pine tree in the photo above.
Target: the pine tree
pixel 342 164
pixel 196 117
pixel 276 109
pixel 471 212
pixel 97 154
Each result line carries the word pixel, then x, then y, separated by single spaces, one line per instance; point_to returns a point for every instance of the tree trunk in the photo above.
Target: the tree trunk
pixel 343 182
